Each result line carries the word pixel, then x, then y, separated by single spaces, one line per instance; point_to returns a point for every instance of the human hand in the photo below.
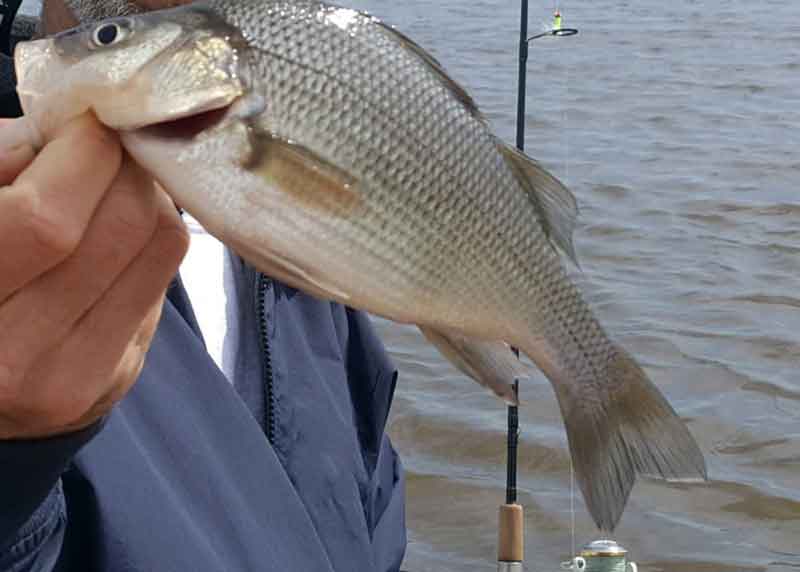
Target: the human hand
pixel 89 246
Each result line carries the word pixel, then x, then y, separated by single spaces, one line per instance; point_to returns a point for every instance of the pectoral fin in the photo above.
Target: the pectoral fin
pixel 299 171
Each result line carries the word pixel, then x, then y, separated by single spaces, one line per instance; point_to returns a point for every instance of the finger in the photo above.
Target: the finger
pixel 42 313
pixel 115 334
pixel 12 163
pixel 44 214
pixel 17 148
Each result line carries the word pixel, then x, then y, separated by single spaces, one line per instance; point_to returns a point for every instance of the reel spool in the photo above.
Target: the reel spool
pixel 601 556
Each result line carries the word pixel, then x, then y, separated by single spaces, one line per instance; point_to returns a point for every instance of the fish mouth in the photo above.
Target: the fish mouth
pixel 186 127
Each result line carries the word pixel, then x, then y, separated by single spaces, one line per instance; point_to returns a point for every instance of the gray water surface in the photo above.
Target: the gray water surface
pixel 676 124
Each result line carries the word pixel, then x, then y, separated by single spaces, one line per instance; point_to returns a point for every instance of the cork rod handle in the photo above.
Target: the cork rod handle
pixel 510 541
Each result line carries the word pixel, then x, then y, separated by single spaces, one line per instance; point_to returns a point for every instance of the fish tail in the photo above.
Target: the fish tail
pixel 618 424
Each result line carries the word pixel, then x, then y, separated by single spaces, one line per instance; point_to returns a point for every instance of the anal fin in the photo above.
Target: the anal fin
pixel 489 362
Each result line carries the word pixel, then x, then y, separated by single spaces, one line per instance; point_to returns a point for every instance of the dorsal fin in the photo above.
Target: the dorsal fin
pixel 433 64
pixel 556 205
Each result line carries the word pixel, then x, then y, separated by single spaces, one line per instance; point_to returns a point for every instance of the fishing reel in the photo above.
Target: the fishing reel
pixel 601 556
pixel 596 556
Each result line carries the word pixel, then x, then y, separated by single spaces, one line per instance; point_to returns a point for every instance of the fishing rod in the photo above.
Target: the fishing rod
pixel 511 522
pixel 557 31
pixel 510 537
pixel 596 556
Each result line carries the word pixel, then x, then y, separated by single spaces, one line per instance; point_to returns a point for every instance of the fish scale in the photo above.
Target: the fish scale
pixel 347 163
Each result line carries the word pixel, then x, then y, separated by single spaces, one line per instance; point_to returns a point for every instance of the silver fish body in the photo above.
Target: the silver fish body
pixel 335 154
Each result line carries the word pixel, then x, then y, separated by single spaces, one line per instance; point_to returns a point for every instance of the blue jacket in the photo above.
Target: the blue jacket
pixel 290 472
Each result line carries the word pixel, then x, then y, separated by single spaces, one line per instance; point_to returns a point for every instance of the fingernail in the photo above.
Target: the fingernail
pixel 18 134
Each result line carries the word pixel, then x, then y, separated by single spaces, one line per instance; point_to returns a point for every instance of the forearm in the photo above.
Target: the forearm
pixel 32 507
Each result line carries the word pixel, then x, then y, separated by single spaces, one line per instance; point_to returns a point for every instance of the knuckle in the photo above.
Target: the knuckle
pixel 102 398
pixel 124 383
pixel 93 133
pixel 26 408
pixel 32 406
pixel 94 145
pixel 49 409
pixel 105 143
pixel 131 226
pixel 131 365
pixel 144 336
pixel 53 234
pixel 172 238
pixel 10 386
pixel 56 410
pixel 131 209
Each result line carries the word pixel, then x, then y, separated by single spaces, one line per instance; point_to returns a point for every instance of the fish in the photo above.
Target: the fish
pixel 334 153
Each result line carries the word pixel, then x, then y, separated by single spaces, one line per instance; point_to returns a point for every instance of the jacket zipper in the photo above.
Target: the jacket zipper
pixel 263 285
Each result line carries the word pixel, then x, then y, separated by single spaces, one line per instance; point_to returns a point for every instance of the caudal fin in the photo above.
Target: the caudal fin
pixel 630 430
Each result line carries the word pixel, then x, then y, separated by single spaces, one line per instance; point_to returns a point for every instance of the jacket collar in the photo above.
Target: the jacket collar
pixel 9 103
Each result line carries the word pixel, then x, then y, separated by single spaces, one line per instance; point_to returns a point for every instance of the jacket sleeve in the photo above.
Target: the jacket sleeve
pixel 32 507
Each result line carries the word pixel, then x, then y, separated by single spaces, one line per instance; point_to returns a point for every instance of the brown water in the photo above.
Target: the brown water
pixel 677 126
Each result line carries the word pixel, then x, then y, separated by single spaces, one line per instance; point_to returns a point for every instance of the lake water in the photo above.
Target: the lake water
pixel 677 126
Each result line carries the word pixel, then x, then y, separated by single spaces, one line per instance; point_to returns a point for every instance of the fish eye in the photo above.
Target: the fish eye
pixel 108 34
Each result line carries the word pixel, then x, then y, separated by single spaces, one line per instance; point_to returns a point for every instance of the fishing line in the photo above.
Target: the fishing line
pixel 572 504
pixel 565 122
pixel 600 555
